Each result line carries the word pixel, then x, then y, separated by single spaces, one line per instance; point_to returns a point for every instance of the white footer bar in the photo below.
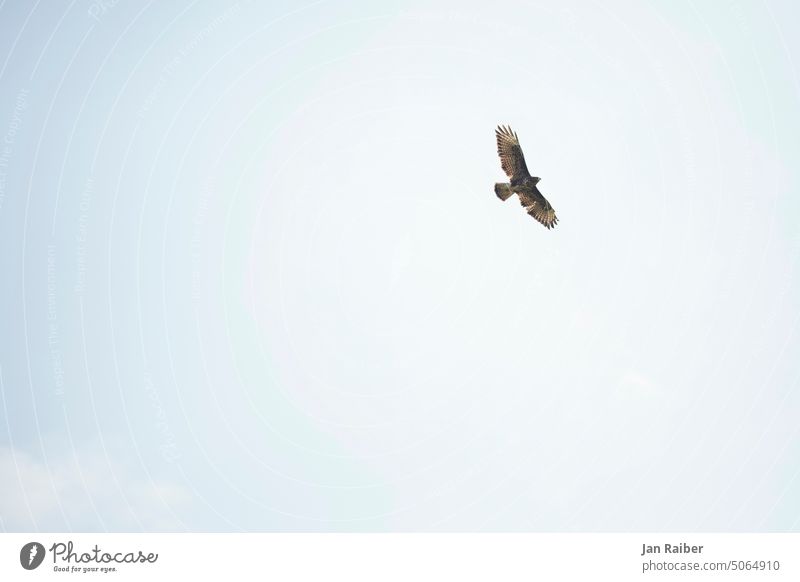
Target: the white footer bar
pixel 402 557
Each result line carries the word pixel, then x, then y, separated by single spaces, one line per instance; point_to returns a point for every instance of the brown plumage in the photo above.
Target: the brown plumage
pixel 522 183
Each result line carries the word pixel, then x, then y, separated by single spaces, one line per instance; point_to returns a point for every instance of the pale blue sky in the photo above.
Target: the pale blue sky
pixel 256 277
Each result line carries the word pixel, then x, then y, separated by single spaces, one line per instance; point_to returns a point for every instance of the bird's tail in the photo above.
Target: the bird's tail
pixel 503 191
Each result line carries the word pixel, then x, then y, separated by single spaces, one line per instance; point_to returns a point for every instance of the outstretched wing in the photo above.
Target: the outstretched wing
pixel 538 207
pixel 510 153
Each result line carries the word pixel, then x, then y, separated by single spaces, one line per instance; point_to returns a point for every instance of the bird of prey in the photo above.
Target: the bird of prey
pixel 522 183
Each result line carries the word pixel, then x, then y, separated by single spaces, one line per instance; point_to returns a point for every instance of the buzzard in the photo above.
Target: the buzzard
pixel 522 183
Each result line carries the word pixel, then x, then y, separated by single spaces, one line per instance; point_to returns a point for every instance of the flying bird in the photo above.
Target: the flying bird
pixel 522 183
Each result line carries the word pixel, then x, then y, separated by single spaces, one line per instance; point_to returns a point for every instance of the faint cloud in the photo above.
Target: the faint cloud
pixel 81 490
pixel 635 385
